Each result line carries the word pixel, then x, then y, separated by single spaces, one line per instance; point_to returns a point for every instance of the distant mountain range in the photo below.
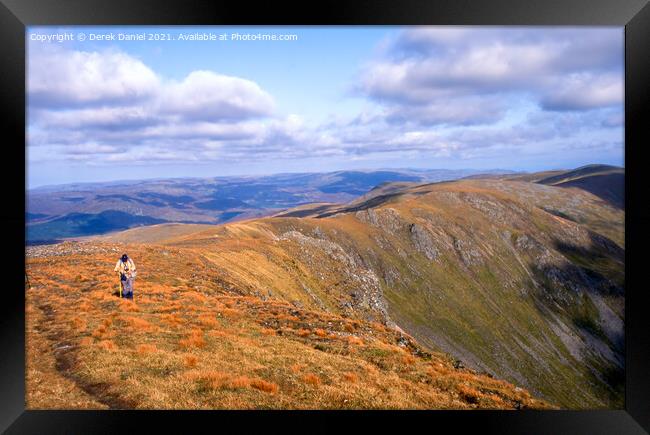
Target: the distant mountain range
pixel 83 209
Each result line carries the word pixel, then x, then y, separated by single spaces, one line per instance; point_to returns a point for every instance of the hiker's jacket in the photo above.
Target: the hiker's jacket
pixel 127 268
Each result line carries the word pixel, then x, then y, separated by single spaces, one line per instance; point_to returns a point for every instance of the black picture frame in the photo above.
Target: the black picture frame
pixel 15 15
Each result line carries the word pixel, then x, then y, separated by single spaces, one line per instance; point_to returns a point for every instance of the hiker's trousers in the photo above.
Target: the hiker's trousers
pixel 127 288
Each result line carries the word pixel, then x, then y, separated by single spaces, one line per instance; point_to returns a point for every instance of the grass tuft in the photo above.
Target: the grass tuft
pixel 355 340
pixel 262 385
pixel 190 360
pixel 146 349
pixel 350 377
pixel 311 379
pixel 194 339
pixel 107 345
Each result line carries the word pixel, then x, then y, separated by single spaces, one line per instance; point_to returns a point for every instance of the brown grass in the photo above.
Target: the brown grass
pixel 195 297
pixel 146 349
pixel 138 324
pixel 355 340
pixel 311 379
pixel 262 385
pixel 304 332
pixel 257 367
pixel 231 313
pixel 214 379
pixel 469 394
pixel 408 359
pixel 238 382
pixel 99 332
pixel 287 317
pixel 172 319
pixel 208 320
pixel 171 307
pixel 194 339
pixel 190 360
pixel 107 345
pixel 79 324
pixel 128 306
pixel 350 377
pixel 84 307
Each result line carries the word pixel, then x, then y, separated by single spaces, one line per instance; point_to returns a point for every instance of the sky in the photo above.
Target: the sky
pixel 318 99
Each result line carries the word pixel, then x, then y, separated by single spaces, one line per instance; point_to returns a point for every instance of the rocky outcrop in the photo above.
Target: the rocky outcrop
pixel 386 219
pixel 468 252
pixel 365 292
pixel 423 242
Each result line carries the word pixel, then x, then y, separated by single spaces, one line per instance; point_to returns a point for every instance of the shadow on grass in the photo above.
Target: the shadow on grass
pixel 565 290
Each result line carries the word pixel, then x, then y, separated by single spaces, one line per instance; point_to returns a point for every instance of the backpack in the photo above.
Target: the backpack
pixel 126 269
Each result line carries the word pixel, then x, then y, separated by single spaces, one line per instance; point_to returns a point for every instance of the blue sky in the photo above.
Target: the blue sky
pixel 335 98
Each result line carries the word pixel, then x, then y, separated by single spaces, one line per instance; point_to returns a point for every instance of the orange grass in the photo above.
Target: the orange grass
pixel 190 360
pixel 311 379
pixel 199 360
pixel 194 339
pixel 262 385
pixel 145 349
pixel 355 340
pixel 350 377
pixel 107 345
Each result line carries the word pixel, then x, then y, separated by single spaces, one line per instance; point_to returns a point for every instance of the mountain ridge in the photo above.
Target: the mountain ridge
pixel 210 200
pixel 520 280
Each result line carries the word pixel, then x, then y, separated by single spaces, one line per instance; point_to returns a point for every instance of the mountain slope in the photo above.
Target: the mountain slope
pixel 193 339
pixel 523 281
pixel 583 171
pixel 606 182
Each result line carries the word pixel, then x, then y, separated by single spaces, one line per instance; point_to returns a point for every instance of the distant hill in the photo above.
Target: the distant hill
pixel 98 208
pixel 82 224
pixel 606 182
pixel 581 172
pixel 149 234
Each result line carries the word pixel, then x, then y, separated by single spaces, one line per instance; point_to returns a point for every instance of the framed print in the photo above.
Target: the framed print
pixel 350 214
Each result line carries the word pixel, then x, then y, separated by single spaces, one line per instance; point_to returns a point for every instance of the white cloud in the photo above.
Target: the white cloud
pixel 441 92
pixel 559 69
pixel 62 78
pixel 205 95
pixel 458 111
pixel 95 117
pixel 585 91
pixel 83 103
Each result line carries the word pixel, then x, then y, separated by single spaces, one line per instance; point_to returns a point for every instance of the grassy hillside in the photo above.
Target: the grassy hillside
pixel 604 181
pixel 520 281
pixel 192 339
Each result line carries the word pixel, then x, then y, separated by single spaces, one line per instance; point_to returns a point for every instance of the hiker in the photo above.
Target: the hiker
pixel 125 267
